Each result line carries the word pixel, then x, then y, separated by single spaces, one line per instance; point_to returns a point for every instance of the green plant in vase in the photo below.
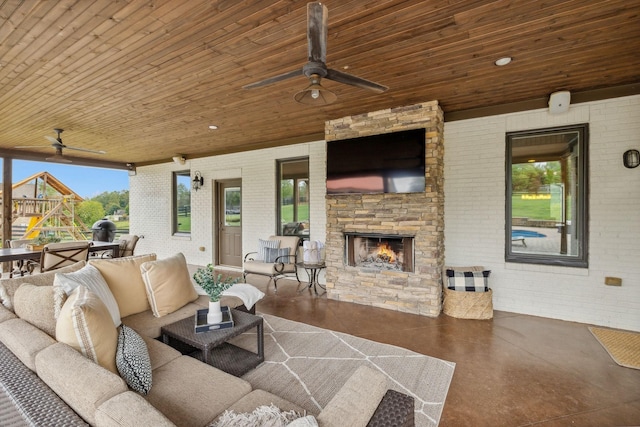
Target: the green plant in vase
pixel 44 239
pixel 214 285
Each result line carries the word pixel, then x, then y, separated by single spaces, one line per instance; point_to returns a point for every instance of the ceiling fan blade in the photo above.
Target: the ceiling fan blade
pixel 19 147
pixel 86 150
pixel 53 140
pixel 274 79
pixel 317 16
pixel 349 79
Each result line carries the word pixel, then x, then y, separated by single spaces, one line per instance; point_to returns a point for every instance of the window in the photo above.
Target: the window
pixel 293 197
pixel 546 206
pixel 181 202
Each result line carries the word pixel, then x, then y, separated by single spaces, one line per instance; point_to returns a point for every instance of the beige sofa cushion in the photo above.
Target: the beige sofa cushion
pixel 129 410
pixel 357 399
pixel 173 391
pixel 146 324
pixel 35 305
pixel 6 314
pixel 159 353
pixel 81 383
pixel 86 325
pixel 24 340
pixel 168 284
pixel 125 281
pixel 8 287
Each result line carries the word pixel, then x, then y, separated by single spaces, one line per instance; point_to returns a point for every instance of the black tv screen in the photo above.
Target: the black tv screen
pixel 386 163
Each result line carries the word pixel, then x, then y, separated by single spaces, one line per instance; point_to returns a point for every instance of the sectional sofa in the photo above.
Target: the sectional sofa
pixel 95 349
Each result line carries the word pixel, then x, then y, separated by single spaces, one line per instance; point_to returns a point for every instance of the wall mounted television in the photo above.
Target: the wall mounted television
pixel 386 163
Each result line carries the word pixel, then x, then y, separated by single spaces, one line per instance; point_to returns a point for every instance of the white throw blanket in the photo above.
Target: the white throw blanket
pixel 249 294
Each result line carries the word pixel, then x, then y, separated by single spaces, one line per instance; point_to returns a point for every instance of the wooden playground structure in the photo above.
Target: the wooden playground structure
pixel 42 204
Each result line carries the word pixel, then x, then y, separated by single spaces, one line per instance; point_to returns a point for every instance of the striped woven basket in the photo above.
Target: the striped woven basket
pixel 468 305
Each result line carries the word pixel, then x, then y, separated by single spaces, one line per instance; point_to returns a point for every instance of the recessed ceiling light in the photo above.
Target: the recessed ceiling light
pixel 213 127
pixel 503 61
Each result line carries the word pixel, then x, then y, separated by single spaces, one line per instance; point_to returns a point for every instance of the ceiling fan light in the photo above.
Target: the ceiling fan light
pixel 315 94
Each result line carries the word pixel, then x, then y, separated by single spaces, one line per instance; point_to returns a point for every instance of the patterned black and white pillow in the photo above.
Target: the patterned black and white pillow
pixel 132 360
pixel 470 281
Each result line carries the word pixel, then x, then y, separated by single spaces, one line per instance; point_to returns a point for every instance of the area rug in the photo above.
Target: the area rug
pixel 308 365
pixel 622 346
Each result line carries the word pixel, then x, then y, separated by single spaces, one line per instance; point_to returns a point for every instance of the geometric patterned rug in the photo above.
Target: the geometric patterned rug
pixel 307 365
pixel 622 346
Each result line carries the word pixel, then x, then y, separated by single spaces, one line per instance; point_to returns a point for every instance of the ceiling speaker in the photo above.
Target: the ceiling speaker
pixel 559 102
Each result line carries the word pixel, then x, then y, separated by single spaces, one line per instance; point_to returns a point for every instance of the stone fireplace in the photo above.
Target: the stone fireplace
pixel 410 225
pixel 379 251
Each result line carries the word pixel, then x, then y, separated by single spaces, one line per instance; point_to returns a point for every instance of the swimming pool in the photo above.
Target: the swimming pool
pixel 525 234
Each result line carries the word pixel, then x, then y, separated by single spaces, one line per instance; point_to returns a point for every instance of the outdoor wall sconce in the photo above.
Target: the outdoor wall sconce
pixel 198 181
pixel 631 159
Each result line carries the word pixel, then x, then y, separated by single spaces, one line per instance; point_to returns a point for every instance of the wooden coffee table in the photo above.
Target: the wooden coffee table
pixel 212 347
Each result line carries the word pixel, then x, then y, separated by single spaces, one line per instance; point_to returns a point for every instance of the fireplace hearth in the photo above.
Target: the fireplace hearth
pixel 379 251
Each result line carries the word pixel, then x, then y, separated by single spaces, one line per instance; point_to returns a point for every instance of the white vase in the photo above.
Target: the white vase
pixel 215 314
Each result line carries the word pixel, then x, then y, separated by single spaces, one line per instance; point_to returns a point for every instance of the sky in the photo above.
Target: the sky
pixel 85 181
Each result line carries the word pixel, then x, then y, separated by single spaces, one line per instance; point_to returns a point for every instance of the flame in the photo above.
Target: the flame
pixel 384 249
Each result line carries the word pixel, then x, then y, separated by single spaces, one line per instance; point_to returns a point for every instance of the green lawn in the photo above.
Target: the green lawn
pixel 287 213
pixel 534 209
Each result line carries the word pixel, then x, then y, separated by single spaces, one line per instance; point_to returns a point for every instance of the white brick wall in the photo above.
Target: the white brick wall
pixel 150 200
pixel 474 210
pixel 475 218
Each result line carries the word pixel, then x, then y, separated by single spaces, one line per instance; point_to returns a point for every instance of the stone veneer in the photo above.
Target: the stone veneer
pixel 418 214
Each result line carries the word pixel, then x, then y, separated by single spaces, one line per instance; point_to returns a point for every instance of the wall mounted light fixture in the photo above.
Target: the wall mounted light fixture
pixel 631 159
pixel 198 181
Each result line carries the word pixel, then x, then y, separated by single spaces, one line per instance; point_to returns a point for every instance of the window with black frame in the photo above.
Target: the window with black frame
pixel 181 203
pixel 293 197
pixel 546 196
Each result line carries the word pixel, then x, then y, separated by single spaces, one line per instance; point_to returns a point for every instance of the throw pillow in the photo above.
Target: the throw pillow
pixel 272 254
pixel 89 277
pixel 262 248
pixel 35 305
pixel 8 286
pixel 470 281
pixel 85 324
pixel 168 284
pixel 263 415
pixel 132 360
pixel 125 281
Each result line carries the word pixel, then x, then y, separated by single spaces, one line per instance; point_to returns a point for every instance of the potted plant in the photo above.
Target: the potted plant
pixel 42 239
pixel 214 285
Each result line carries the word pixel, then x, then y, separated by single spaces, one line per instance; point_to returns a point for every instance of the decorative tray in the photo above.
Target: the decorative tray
pixel 201 324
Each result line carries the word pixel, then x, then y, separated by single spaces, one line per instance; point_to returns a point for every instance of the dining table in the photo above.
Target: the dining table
pixel 24 254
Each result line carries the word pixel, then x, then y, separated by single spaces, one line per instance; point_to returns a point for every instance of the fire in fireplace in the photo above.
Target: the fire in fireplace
pixel 380 252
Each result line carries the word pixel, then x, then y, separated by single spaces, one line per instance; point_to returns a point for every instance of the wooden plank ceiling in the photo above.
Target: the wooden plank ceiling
pixel 143 79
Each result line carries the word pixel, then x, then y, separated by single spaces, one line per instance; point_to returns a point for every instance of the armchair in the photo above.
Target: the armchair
pixel 276 258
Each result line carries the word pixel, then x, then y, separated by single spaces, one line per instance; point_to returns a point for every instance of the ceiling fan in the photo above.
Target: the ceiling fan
pixel 58 145
pixel 316 68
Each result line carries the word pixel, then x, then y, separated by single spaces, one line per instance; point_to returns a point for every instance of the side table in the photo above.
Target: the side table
pixel 313 271
pixel 212 347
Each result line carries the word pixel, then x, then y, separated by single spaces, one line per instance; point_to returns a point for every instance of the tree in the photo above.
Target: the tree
pixel 90 211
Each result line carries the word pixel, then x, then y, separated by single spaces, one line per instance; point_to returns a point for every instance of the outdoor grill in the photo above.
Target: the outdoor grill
pixel 103 230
